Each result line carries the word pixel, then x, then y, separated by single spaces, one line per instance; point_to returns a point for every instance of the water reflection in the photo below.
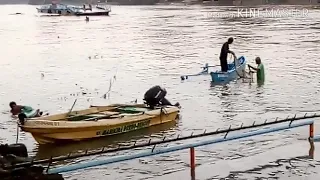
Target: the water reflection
pixel 260 83
pixel 298 164
pixel 126 139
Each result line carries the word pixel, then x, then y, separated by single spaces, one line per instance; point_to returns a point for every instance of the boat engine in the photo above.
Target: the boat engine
pixel 156 96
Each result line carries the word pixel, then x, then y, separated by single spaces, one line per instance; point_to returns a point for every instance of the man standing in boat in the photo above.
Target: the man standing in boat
pixel 224 55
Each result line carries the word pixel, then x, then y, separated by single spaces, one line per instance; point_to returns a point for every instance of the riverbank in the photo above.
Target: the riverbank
pixel 168 2
pixel 49 61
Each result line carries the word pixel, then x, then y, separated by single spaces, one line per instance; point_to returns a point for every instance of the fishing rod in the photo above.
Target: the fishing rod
pixel 163 141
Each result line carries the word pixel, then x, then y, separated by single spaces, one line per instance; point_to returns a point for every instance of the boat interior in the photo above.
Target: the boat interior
pixel 95 113
pixel 241 61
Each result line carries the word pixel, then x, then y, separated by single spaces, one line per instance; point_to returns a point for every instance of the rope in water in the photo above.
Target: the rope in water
pixel 164 140
pixel 17 139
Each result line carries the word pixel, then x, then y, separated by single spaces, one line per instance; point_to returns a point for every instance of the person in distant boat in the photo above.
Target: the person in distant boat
pixel 259 70
pixel 224 55
pixel 29 111
pixel 155 96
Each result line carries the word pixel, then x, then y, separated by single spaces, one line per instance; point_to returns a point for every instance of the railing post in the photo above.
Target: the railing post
pixel 311 135
pixel 192 162
pixel 311 128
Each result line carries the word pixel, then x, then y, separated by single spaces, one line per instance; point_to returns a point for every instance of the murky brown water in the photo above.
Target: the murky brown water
pixel 140 45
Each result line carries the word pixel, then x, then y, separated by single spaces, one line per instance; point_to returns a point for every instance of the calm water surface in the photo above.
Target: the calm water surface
pixel 47 62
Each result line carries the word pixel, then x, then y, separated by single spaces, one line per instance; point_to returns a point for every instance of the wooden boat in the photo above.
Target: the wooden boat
pixel 95 121
pixel 236 69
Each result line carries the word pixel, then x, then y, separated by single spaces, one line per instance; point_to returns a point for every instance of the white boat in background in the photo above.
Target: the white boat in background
pixel 56 8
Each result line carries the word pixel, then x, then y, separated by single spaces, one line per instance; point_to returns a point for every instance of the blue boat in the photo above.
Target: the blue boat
pixel 232 73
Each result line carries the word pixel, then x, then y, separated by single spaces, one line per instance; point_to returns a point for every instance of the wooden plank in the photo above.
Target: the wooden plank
pixel 109 113
pixel 97 118
pixel 111 108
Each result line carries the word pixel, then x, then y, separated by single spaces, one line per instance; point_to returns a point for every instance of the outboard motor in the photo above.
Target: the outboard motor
pixel 156 96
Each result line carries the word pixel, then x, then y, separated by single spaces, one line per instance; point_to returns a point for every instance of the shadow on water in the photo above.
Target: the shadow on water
pixel 125 139
pixel 225 86
pixel 295 165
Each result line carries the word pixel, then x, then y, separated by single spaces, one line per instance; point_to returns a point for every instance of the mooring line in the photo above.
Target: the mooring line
pixel 163 141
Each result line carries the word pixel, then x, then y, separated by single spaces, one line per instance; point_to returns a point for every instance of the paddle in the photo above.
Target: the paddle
pixel 204 71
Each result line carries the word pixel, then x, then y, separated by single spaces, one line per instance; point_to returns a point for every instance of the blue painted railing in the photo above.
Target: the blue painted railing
pixel 156 151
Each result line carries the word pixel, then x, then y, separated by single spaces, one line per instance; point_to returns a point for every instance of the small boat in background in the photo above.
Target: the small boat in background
pixel 96 121
pixel 101 9
pixel 236 69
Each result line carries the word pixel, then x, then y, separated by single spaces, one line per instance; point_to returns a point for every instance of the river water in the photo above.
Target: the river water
pixel 47 62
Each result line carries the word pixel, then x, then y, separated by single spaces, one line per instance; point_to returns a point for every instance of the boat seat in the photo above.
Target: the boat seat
pixel 132 110
pixel 109 113
pixel 93 113
pixel 96 115
pixel 126 114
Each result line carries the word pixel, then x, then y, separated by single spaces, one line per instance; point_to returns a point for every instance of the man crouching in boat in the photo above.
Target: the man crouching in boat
pixel 155 96
pixel 27 110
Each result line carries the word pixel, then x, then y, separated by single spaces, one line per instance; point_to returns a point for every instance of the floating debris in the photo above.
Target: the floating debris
pixel 16 14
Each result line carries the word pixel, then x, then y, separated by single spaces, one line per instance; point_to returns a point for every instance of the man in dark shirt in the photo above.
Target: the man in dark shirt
pixel 224 54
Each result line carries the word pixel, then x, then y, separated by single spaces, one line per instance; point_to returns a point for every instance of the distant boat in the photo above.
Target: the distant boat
pixel 56 8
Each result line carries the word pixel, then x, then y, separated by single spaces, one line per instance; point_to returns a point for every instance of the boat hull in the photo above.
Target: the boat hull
pixel 47 131
pixel 231 74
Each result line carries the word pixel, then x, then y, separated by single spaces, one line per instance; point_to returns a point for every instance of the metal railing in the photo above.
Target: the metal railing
pixel 190 146
pixel 292 123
